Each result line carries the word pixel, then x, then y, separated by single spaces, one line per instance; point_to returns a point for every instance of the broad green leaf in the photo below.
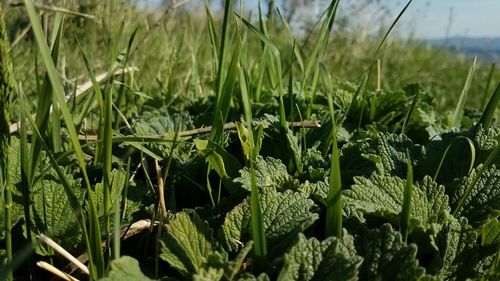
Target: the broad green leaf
pixel 331 259
pixel 490 233
pixel 386 256
pixel 161 123
pixel 53 213
pixel 382 196
pixel 285 215
pixel 483 198
pixel 389 153
pixel 458 254
pixel 269 173
pixel 188 243
pixel 125 269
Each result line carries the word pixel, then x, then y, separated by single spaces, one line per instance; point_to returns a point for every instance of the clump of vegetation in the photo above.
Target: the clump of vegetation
pixel 239 151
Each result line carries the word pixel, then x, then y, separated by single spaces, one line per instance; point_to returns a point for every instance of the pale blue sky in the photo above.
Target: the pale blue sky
pixel 475 18
pixel 430 18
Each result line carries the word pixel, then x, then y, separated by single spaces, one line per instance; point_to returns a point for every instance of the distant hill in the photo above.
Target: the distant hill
pixel 487 49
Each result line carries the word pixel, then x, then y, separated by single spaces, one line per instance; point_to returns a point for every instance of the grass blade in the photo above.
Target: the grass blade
pixel 96 256
pixel 490 109
pixel 257 219
pixel 457 116
pixel 333 225
pixel 487 86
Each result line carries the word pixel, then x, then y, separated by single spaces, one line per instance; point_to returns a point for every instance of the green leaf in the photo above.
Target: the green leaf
pixel 382 196
pixel 125 269
pixel 386 256
pixel 458 256
pixel 53 213
pixel 188 243
pixel 490 233
pixel 285 215
pixel 331 259
pixel 483 198
pixel 389 153
pixel 269 173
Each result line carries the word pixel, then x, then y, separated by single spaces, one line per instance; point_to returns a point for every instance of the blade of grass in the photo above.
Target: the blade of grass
pixel 257 219
pixel 97 266
pixel 333 225
pixel 457 116
pixel 490 109
pixel 487 86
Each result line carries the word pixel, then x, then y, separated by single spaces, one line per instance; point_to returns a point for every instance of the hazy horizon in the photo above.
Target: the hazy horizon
pixel 428 19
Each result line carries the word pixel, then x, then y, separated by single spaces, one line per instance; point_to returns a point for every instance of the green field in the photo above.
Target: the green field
pixel 187 142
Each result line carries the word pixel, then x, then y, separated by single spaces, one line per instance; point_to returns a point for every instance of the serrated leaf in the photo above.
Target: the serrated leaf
pixel 386 256
pixel 188 243
pixel 53 213
pixel 389 153
pixel 382 196
pixel 487 139
pixel 285 215
pixel 457 251
pixel 125 268
pixel 483 198
pixel 331 259
pixel 270 173
pixel 490 233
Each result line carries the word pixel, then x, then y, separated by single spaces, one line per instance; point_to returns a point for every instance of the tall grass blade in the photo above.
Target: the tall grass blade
pixel 486 91
pixel 333 225
pixel 257 219
pixel 489 111
pixel 407 198
pixel 97 266
pixel 457 116
pixel 222 49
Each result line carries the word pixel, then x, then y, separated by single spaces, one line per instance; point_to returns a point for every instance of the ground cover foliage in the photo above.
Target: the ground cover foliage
pixel 303 175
